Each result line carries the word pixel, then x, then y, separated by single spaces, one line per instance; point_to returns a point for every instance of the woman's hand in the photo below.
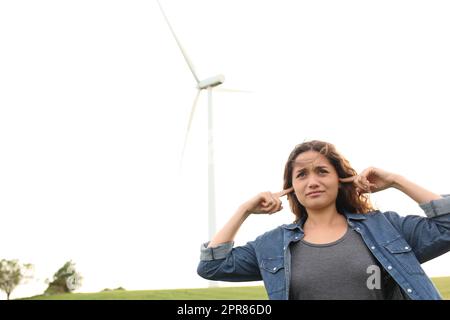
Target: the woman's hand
pixel 371 180
pixel 266 202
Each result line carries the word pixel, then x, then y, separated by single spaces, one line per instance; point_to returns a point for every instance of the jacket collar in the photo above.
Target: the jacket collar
pixel 348 215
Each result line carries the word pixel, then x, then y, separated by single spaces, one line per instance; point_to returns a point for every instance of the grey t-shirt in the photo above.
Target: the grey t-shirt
pixel 344 269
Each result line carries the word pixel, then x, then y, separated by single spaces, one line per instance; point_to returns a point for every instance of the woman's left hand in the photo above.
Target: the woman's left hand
pixel 371 180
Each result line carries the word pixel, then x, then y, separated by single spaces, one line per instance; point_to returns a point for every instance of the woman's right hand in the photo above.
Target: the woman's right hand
pixel 266 202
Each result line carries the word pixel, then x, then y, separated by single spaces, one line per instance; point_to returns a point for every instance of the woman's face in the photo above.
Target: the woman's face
pixel 315 181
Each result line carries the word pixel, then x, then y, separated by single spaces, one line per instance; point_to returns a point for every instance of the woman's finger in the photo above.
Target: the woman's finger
pixel 270 202
pixel 348 179
pixel 367 172
pixel 270 208
pixel 365 180
pixel 283 192
pixel 275 203
pixel 274 200
pixel 267 199
pixel 279 205
pixel 361 181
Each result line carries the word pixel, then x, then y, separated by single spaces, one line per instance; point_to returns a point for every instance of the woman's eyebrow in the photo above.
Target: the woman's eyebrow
pixel 324 166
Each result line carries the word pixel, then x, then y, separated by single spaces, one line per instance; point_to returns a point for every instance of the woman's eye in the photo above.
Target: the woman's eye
pixel 301 175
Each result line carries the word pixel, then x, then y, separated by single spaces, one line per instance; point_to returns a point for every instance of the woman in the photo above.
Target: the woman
pixel 338 247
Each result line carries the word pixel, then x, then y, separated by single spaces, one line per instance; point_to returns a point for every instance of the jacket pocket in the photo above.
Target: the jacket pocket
pixel 272 271
pixel 402 252
pixel 272 265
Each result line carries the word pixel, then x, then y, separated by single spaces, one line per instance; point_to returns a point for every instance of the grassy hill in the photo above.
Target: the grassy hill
pixel 250 293
pixel 228 293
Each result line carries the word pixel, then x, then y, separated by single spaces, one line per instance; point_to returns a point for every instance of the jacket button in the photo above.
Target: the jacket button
pixel 372 247
pixel 389 267
pixel 274 268
pixel 409 290
pixel 406 248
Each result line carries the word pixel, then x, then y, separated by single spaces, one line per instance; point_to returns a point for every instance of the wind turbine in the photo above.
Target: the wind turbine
pixel 206 84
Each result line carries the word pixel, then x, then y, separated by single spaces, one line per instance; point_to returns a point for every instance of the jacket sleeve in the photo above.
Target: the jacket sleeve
pixel 226 263
pixel 429 237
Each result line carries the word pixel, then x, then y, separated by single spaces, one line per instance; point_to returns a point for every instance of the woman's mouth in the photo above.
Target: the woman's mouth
pixel 314 194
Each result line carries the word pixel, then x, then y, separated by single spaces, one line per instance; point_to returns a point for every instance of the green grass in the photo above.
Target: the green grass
pixel 443 285
pixel 227 293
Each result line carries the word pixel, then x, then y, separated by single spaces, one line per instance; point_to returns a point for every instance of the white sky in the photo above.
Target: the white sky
pixel 95 98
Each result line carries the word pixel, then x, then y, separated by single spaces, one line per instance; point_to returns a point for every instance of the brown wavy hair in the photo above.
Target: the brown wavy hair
pixel 348 199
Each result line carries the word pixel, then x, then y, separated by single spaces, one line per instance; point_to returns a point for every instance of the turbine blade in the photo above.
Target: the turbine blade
pixel 188 61
pixel 191 116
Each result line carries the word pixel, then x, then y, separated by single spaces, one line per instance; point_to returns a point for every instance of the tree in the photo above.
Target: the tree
pixel 65 280
pixel 12 273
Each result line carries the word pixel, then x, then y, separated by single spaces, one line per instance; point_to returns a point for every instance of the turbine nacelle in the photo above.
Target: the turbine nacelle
pixel 211 82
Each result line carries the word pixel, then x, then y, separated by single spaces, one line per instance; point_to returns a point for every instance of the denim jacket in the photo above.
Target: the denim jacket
pixel 400 244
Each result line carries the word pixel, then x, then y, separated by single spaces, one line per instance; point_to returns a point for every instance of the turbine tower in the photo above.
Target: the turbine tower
pixel 208 85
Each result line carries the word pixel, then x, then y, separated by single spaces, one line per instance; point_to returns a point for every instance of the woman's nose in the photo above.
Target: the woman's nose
pixel 312 183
